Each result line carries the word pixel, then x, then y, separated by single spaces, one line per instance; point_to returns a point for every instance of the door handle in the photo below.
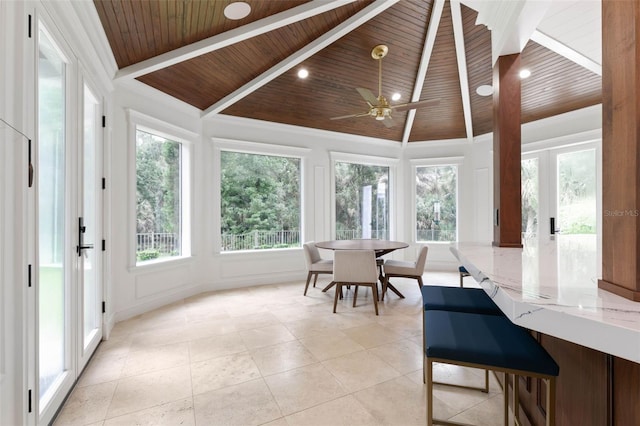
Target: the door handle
pixel 552 225
pixel 81 245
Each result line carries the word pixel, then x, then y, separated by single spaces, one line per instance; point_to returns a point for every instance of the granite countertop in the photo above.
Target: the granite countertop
pixel 551 286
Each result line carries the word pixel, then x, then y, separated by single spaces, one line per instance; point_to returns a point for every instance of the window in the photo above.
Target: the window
pixel 436 198
pixel 260 201
pixel 361 200
pixel 161 193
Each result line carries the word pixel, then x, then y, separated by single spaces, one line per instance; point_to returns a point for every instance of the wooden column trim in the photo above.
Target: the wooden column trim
pixel 507 221
pixel 621 148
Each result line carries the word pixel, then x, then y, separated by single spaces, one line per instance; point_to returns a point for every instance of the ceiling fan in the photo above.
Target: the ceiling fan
pixel 379 107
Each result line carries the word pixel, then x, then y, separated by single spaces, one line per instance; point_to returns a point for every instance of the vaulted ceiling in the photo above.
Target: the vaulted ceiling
pixel 248 67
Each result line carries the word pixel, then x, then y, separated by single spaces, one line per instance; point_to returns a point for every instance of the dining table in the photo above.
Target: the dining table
pixel 380 247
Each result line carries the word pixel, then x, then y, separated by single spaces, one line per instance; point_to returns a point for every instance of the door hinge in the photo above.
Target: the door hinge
pixel 30 399
pixel 29 27
pixel 104 183
pixel 104 121
pixel 30 167
pixel 104 307
pixel 104 245
pixel 29 275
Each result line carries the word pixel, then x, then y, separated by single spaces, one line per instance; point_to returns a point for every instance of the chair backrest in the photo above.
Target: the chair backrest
pixel 422 259
pixel 311 253
pixel 355 266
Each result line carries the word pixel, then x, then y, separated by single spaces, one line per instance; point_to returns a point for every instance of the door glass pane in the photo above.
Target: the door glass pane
pixel 51 214
pixel 530 197
pixel 362 201
pixel 576 192
pixel 436 203
pixel 88 263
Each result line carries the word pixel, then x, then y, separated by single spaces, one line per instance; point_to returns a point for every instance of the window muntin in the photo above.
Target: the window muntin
pixel 159 207
pixel 436 203
pixel 260 201
pixel 361 201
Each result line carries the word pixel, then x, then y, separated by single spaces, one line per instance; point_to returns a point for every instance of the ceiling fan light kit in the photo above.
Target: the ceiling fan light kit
pixel 379 107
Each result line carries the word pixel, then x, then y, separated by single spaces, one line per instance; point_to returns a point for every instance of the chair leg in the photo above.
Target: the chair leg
pixel 428 376
pixel 315 278
pixel 307 284
pixel 420 282
pixel 385 282
pixel 355 295
pixel 335 298
pixel 375 296
pixel 506 399
pixel 551 401
pixel 461 282
pixel 516 399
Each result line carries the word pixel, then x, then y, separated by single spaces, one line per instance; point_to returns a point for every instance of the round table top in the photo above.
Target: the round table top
pixel 364 244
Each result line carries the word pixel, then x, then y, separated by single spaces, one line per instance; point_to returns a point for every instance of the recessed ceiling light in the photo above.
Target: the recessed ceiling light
pixel 396 96
pixel 484 90
pixel 237 10
pixel 525 73
pixel 303 73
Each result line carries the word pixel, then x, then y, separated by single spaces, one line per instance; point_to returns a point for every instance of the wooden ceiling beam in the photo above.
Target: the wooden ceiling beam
pixel 430 39
pixel 309 50
pixel 564 50
pixel 458 36
pixel 236 35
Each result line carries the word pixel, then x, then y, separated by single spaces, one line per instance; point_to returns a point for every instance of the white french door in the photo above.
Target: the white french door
pixel 68 205
pixel 561 201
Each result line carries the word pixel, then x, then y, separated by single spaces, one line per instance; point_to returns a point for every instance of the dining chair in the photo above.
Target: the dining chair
pixel 404 269
pixel 315 264
pixel 357 268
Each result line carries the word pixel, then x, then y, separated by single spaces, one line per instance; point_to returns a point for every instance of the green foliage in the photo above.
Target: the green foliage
pixel 148 254
pixel 157 184
pixel 350 179
pixel 529 191
pixel 259 193
pixel 436 184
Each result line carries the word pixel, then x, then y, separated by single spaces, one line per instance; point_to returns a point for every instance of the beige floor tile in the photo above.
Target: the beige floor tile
pixel 345 411
pixel 213 347
pixel 223 371
pixel 156 358
pixel 487 413
pixel 330 345
pixel 305 387
pixel 254 320
pixel 148 390
pixel 372 335
pixel 282 357
pixel 292 312
pixel 119 345
pixel 277 422
pixel 86 405
pixel 360 370
pixel 266 336
pixel 404 355
pixel 395 402
pixel 315 324
pixel 159 337
pixel 208 328
pixel 246 404
pixel 102 369
pixel 170 414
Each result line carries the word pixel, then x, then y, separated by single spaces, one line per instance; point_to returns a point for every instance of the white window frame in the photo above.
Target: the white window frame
pixel 246 147
pixel 139 121
pixel 368 160
pixel 430 162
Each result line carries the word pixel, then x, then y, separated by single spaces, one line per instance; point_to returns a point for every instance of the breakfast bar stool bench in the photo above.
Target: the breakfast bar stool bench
pixel 490 342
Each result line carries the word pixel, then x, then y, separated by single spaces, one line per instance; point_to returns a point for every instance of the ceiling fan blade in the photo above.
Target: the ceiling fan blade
pixel 362 114
pixel 388 122
pixel 368 96
pixel 418 104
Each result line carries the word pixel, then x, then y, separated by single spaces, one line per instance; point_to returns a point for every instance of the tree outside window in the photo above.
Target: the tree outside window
pixel 362 201
pixel 436 203
pixel 158 195
pixel 259 201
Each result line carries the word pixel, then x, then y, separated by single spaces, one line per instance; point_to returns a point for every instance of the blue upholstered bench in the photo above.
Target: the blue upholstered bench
pixel 457 299
pixel 490 342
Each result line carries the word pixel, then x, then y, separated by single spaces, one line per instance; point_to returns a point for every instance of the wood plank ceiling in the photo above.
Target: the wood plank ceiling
pixel 140 30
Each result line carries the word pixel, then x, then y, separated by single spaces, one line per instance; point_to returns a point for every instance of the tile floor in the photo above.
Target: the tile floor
pixel 268 355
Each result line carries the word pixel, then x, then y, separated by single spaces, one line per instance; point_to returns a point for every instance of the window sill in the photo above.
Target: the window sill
pixel 258 251
pixel 161 264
